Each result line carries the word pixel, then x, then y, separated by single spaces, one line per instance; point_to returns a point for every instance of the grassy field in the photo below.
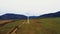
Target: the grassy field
pixel 7 27
pixel 41 26
pixel 36 26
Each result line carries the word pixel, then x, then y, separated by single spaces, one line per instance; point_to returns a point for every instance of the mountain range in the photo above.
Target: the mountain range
pixel 18 16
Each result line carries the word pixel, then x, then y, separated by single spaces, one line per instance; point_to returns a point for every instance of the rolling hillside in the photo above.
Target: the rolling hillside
pixel 10 16
pixel 50 15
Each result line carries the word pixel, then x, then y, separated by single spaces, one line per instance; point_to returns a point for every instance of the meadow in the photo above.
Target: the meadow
pixel 35 26
pixel 7 27
pixel 41 26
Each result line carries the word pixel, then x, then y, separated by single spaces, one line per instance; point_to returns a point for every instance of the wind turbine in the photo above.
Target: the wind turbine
pixel 28 18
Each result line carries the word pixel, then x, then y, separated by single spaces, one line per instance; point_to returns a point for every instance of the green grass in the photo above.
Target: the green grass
pixel 36 26
pixel 51 25
pixel 41 26
pixel 6 28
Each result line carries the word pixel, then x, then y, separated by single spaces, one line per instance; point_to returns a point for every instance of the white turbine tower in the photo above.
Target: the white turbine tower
pixel 28 18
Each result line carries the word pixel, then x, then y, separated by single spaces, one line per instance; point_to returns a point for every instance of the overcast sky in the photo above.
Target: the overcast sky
pixel 29 7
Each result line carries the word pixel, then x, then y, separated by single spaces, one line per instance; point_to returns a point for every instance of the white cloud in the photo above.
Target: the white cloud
pixel 29 7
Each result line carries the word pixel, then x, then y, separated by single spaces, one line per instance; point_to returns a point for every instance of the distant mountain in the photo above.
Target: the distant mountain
pixel 33 17
pixel 12 16
pixel 57 14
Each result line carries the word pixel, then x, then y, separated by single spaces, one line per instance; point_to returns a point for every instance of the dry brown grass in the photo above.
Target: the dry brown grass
pixel 2 22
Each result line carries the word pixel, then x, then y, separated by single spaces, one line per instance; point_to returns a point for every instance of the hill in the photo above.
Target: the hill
pixel 12 16
pixel 57 14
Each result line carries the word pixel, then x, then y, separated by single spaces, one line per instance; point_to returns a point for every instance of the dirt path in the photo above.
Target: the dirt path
pixel 31 28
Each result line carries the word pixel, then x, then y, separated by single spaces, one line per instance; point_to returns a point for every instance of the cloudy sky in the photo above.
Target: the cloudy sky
pixel 29 7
